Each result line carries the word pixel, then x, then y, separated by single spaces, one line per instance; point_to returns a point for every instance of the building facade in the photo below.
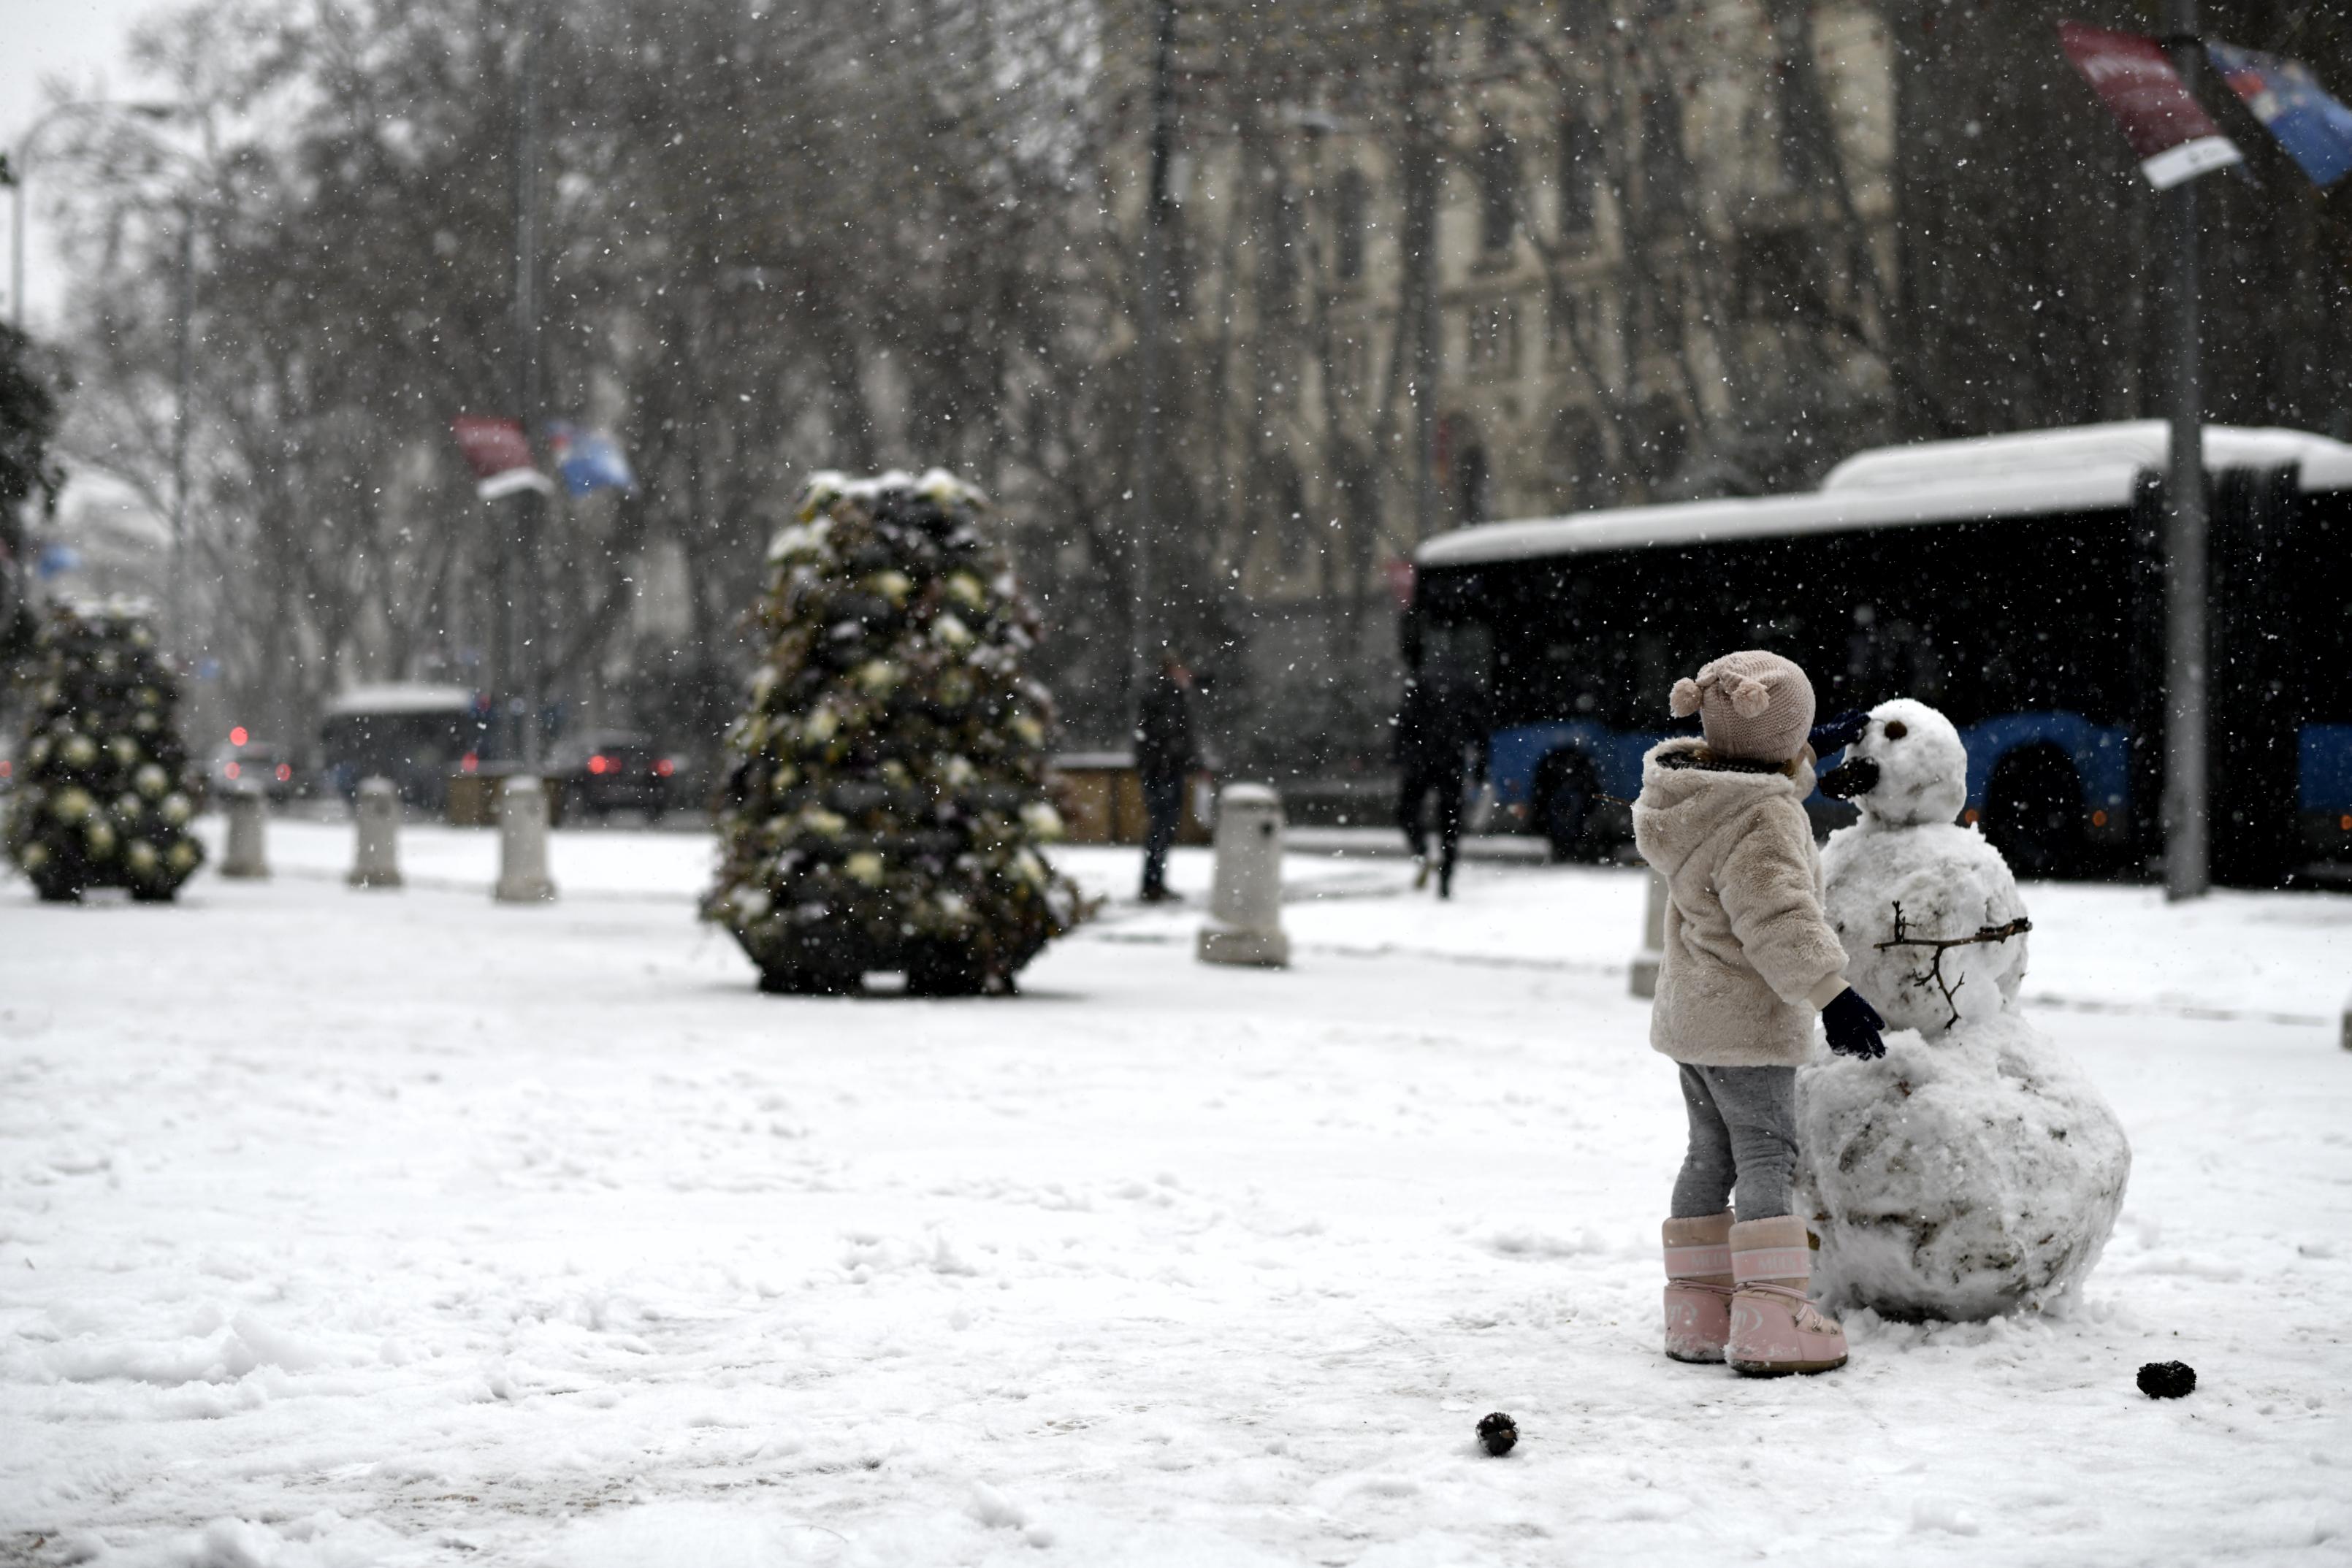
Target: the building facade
pixel 1464 264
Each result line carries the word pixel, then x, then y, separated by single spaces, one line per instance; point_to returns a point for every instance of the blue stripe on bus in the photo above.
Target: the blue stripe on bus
pixel 2324 754
pixel 2101 753
pixel 1513 755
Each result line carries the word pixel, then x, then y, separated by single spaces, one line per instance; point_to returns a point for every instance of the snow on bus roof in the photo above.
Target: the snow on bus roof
pixel 402 696
pixel 2086 468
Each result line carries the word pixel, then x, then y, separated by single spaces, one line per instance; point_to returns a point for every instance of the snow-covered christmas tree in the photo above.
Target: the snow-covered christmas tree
pixel 887 793
pixel 105 792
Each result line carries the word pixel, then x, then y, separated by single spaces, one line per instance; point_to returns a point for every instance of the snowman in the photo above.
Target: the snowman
pixel 1974 1169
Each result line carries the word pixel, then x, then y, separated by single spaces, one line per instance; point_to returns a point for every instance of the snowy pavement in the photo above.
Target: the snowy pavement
pixel 350 1227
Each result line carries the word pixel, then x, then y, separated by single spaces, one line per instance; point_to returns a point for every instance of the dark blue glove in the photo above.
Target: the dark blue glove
pixel 1837 733
pixel 1853 1025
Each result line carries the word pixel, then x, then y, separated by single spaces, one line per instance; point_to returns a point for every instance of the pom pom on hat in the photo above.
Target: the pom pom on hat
pixel 1752 704
pixel 1749 698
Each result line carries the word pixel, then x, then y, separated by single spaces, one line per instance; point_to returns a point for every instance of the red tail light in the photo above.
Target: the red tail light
pixel 665 767
pixel 285 771
pixel 237 735
pixel 232 770
pixel 469 762
pixel 599 764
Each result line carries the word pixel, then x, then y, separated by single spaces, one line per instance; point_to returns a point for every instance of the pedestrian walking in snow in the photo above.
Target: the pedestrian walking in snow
pixel 1441 741
pixel 1164 755
pixel 1749 959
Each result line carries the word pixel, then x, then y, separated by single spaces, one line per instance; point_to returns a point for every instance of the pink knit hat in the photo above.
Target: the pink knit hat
pixel 1753 706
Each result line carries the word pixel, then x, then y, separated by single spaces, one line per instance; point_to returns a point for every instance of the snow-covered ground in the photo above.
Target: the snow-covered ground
pixel 342 1226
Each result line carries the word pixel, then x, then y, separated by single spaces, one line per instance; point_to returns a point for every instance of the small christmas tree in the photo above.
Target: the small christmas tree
pixel 105 793
pixel 887 796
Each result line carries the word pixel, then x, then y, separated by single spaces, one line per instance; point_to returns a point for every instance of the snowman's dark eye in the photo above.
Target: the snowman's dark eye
pixel 1896 729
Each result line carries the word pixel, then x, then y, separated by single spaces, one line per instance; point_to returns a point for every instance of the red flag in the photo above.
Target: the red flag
pixel 495 449
pixel 2175 138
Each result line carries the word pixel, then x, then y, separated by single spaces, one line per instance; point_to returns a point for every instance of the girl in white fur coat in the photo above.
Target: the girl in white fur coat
pixel 1750 959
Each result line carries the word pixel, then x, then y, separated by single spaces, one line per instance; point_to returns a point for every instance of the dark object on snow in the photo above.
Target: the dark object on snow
pixel 2166 1379
pixel 1837 733
pixel 1501 1434
pixel 1853 1025
pixel 1850 778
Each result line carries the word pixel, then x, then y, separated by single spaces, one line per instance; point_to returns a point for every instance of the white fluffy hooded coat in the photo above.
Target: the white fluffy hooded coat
pixel 1750 958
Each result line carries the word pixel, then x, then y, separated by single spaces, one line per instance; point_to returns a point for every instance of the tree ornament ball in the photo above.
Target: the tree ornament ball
pixel 1498 1433
pixel 2168 1379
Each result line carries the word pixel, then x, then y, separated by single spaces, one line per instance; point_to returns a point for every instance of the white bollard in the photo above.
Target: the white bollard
pixel 248 819
pixel 1653 938
pixel 1244 922
pixel 376 861
pixel 522 842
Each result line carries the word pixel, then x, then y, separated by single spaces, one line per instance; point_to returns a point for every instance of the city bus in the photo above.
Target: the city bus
pixel 413 734
pixel 2014 581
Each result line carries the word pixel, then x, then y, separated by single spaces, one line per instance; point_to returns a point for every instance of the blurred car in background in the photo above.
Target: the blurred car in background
pixel 255 763
pixel 606 771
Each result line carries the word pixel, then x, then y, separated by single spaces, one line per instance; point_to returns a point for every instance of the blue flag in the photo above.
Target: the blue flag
pixel 2316 130
pixel 589 460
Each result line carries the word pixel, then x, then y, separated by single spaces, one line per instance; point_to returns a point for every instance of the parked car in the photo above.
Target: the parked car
pixel 607 770
pixel 255 763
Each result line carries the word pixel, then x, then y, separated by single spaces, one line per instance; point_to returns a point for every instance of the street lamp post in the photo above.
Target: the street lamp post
pixel 178 630
pixel 2185 807
pixel 20 167
pixel 521 577
pixel 1149 325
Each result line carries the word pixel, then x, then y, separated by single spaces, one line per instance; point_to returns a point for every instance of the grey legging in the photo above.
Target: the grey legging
pixel 1743 1126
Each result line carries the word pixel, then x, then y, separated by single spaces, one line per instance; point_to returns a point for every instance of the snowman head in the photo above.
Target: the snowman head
pixel 1920 768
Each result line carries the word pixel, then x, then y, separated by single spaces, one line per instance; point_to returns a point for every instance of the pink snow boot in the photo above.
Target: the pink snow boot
pixel 1699 1287
pixel 1774 1329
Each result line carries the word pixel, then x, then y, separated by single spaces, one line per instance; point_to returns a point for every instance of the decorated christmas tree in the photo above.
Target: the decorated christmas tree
pixel 104 790
pixel 887 793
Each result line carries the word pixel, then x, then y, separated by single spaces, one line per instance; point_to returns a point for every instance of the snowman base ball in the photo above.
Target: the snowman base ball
pixel 1958 1177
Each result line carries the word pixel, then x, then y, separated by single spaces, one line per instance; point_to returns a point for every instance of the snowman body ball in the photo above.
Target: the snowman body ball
pixel 1974 1169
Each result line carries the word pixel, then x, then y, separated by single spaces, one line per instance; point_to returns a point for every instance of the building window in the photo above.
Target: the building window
pixel 1780 279
pixel 1473 483
pixel 1658 314
pixel 1351 206
pixel 1579 172
pixel 1665 166
pixel 1290 526
pixel 1493 345
pixel 1561 328
pixel 1580 472
pixel 1278 263
pixel 1498 190
pixel 1656 439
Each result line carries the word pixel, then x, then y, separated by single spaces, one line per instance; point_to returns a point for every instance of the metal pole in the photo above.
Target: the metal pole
pixel 1149 329
pixel 1427 343
pixel 2186 842
pixel 188 310
pixel 522 577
